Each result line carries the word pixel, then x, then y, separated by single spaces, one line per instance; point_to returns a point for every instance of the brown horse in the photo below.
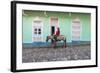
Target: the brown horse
pixel 55 39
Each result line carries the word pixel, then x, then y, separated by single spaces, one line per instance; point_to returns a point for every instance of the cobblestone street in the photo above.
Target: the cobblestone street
pixel 81 52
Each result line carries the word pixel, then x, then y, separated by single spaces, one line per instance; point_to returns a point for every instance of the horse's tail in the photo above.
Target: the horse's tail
pixel 47 39
pixel 65 41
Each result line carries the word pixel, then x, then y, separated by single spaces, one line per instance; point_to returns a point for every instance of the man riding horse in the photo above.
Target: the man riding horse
pixel 57 34
pixel 56 37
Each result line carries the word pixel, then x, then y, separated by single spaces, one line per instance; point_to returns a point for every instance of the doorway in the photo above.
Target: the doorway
pixel 52 30
pixel 54 24
pixel 76 30
pixel 37 32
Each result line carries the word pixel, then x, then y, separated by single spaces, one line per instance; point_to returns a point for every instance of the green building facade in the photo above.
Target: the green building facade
pixel 37 25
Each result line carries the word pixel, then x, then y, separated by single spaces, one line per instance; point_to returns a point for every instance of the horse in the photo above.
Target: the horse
pixel 55 39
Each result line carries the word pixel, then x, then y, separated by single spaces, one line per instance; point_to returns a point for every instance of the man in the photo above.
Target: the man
pixel 55 36
pixel 58 32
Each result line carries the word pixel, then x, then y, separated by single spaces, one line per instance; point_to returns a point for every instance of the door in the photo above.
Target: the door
pixel 37 31
pixel 54 24
pixel 76 30
pixel 52 30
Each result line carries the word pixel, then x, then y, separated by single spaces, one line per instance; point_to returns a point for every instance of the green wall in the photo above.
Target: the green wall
pixel 64 23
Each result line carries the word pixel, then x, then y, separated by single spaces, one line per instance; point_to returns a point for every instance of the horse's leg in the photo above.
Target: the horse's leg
pixel 65 42
pixel 54 41
pixel 54 44
pixel 47 39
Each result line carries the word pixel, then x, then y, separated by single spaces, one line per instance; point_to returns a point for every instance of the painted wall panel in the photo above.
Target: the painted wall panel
pixel 27 29
pixel 65 22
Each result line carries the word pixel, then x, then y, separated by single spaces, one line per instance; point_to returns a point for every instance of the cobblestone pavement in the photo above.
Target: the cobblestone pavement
pixel 56 54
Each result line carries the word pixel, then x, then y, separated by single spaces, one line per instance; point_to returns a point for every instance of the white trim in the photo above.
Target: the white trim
pixel 20 65
pixel 52 25
pixel 41 27
pixel 72 28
